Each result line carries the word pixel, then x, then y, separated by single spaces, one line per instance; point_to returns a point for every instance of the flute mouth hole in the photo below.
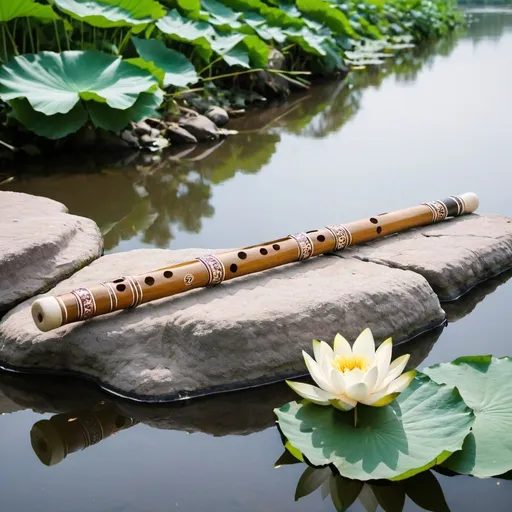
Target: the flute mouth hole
pixel 242 255
pixel 373 220
pixel 321 238
pixel 121 287
pixel 263 251
pixel 276 247
pixel 167 274
pixel 150 281
pixel 233 268
pixel 40 317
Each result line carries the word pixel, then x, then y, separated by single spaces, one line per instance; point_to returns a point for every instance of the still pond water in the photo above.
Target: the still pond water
pixel 436 123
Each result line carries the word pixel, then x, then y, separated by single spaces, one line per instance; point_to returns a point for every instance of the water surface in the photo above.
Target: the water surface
pixel 437 122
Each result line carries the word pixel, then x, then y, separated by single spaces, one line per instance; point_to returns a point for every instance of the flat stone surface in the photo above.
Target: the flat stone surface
pixel 454 255
pixel 40 244
pixel 245 332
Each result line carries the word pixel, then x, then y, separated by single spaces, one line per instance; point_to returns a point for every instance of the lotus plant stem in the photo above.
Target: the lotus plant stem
pixel 11 38
pixel 57 36
pixel 125 41
pixel 24 44
pixel 38 42
pixel 5 57
pixel 94 35
pixel 355 417
pixel 82 35
pixel 68 44
pixel 236 73
pixel 210 65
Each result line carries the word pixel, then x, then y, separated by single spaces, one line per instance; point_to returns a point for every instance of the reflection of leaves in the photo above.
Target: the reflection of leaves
pixel 423 489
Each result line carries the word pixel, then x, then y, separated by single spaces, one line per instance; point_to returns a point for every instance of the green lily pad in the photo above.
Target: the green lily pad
pixel 168 66
pixel 112 13
pixel 51 127
pixel 219 14
pixel 10 9
pixel 485 384
pixel 421 428
pixel 53 83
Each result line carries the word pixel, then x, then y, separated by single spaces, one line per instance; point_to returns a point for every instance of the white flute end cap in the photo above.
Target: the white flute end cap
pixel 471 201
pixel 47 314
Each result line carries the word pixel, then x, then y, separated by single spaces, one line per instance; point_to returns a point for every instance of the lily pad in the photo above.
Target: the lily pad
pixel 421 428
pixel 168 66
pixel 53 83
pixel 485 384
pixel 110 13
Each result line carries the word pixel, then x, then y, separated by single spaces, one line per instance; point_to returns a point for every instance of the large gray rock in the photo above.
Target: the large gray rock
pixel 245 332
pixel 454 256
pixel 40 244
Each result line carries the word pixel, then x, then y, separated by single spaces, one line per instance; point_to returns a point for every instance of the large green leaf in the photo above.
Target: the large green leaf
pixel 169 66
pixel 322 12
pixel 485 384
pixel 259 24
pixel 51 127
pixel 421 428
pixel 112 13
pixel 53 83
pixel 10 9
pixel 191 31
pixel 219 14
pixel 115 120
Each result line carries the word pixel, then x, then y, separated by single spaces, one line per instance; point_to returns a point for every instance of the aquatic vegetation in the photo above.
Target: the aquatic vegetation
pixel 185 43
pixel 349 375
pixel 457 415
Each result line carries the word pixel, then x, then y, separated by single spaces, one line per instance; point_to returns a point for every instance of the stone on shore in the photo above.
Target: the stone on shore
pixel 453 256
pixel 218 115
pixel 40 244
pixel 245 332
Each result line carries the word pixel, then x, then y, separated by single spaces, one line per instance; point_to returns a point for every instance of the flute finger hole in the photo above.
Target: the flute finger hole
pixel 120 280
pixel 379 230
pixel 263 251
pixel 321 238
pixel 373 220
pixel 233 268
pixel 149 281
pixel 121 287
pixel 276 247
pixel 242 255
pixel 167 274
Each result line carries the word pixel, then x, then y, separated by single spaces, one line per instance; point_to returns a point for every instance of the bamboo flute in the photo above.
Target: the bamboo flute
pixel 131 291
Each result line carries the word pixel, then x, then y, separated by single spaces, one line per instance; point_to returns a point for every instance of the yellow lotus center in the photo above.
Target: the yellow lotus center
pixel 351 362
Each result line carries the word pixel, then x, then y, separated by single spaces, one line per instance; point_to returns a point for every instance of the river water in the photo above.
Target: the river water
pixel 436 122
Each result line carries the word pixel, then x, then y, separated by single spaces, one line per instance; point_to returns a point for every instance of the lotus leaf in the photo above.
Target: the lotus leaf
pixel 219 14
pixel 51 127
pixel 112 13
pixel 322 12
pixel 54 83
pixel 425 424
pixel 485 384
pixel 168 66
pixel 10 9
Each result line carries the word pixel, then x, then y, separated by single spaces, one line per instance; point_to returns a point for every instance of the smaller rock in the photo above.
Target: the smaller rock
pixel 178 135
pixel 200 127
pixel 146 140
pixel 130 139
pixel 155 133
pixel 141 128
pixel 218 115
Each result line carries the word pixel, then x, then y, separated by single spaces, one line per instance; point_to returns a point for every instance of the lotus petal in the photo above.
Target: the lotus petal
pixel 382 360
pixel 396 368
pixel 341 346
pixel 357 391
pixel 316 372
pixel 345 404
pixel 365 345
pixel 400 383
pixel 312 393
pixel 371 378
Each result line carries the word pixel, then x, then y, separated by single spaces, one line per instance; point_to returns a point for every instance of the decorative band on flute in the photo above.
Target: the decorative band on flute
pixel 342 236
pixel 85 302
pixel 215 268
pixel 130 291
pixel 305 245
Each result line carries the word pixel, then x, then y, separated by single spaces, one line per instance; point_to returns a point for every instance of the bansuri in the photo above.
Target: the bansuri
pixel 131 291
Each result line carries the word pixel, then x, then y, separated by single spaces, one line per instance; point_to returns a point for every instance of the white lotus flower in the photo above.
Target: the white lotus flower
pixel 348 375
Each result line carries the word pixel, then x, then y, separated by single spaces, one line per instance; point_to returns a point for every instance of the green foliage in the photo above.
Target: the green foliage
pixel 112 13
pixel 168 66
pixel 180 40
pixel 486 386
pixel 420 429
